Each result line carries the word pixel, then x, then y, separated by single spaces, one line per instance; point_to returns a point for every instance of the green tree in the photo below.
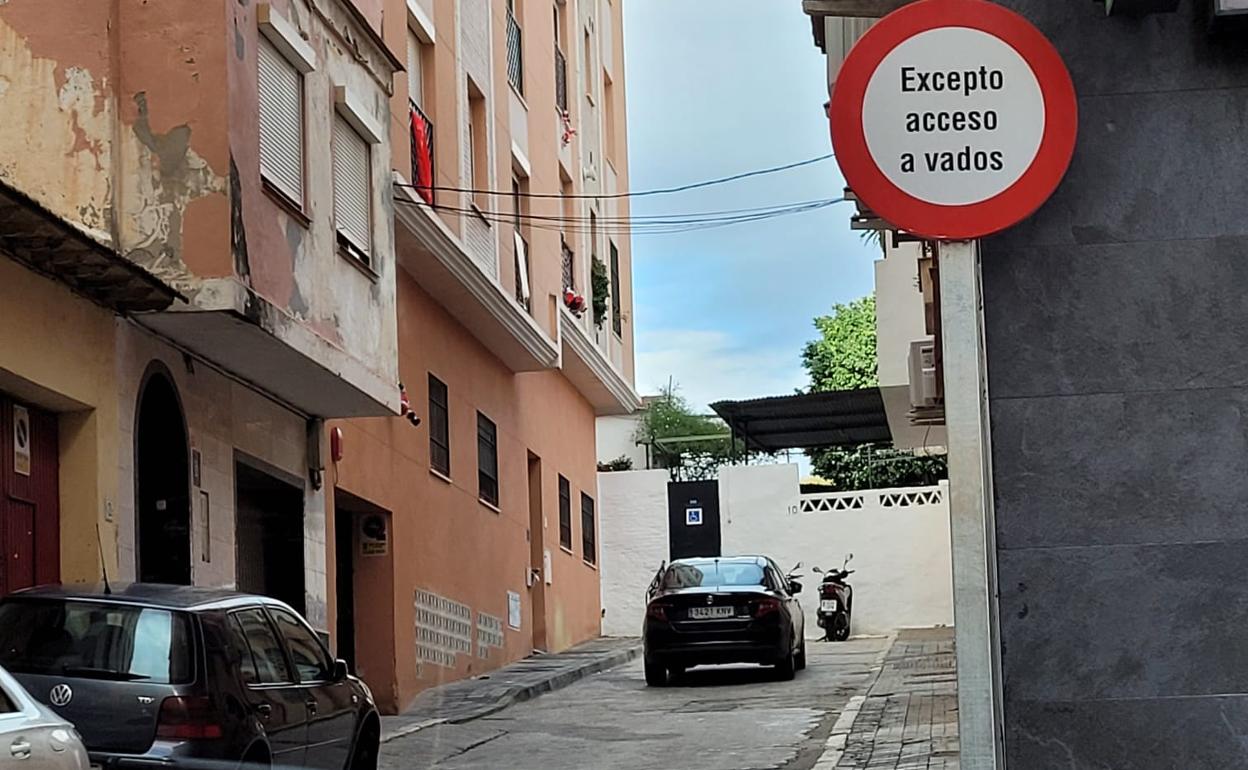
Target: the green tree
pixel 844 358
pixel 690 445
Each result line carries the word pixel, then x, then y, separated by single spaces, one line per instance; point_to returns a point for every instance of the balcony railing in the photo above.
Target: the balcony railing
pixel 569 275
pixel 515 54
pixel 422 153
pixel 561 80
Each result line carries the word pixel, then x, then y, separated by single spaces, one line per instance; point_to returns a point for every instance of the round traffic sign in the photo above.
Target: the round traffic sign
pixel 953 119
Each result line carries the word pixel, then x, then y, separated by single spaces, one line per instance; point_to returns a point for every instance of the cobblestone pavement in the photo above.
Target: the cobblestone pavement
pixel 715 718
pixel 908 720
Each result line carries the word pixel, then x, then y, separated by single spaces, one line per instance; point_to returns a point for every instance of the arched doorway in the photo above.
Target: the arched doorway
pixel 162 483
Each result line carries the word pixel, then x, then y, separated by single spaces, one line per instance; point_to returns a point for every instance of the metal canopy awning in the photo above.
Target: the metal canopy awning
pixel 808 421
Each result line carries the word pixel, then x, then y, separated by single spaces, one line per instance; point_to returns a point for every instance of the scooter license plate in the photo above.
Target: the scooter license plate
pixel 827 605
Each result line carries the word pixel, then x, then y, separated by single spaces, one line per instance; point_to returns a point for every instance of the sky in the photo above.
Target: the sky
pixel 715 88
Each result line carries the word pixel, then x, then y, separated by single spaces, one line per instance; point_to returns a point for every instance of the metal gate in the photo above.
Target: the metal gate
pixel 693 518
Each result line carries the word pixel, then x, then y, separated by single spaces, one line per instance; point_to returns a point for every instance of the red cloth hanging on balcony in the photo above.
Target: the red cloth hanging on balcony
pixel 423 160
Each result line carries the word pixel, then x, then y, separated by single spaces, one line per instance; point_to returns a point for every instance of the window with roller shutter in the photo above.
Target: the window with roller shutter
pixel 280 100
pixel 352 173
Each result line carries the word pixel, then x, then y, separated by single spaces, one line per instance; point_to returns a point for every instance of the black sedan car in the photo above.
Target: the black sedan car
pixel 726 610
pixel 171 676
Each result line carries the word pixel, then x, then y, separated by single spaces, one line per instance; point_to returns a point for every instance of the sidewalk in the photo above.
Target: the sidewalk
pixel 908 720
pixel 470 699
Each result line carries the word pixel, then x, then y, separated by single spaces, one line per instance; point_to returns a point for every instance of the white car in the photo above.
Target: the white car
pixel 32 736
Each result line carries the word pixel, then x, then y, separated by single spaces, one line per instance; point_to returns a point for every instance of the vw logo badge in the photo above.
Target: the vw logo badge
pixel 61 695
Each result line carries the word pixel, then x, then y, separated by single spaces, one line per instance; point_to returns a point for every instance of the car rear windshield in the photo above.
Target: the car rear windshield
pixel 713 572
pixel 95 640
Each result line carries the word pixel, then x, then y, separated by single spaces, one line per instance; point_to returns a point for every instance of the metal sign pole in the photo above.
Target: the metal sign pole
pixel 972 529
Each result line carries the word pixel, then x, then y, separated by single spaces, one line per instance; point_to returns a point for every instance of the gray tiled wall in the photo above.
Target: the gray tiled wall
pixel 1117 334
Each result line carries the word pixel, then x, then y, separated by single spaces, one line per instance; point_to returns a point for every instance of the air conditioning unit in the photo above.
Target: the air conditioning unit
pixel 924 390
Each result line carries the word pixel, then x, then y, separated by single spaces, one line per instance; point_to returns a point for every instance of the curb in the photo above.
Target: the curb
pixel 834 748
pixel 521 693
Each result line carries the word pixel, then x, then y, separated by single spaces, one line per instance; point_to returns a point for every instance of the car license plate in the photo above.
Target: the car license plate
pixel 828 605
pixel 710 613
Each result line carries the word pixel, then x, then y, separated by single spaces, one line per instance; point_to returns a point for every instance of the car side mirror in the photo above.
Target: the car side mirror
pixel 341 671
pixel 795 588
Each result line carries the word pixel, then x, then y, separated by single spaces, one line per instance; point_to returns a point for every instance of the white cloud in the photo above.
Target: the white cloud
pixel 709 366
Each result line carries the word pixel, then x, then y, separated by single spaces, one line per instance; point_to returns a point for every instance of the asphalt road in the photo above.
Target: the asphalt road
pixel 722 718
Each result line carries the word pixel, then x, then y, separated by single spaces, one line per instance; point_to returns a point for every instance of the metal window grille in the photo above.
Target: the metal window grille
pixel 561 80
pixel 588 546
pixel 565 513
pixel 515 54
pixel 280 106
pixel 439 427
pixel 351 170
pixel 569 260
pixel 617 318
pixel 487 460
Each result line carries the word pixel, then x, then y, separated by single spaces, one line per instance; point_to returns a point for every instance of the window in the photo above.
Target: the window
pixel 589 67
pixel 519 192
pixel 268 660
pixel 523 296
pixel 561 62
pixel 352 190
pixel 487 460
pixel 587 528
pixel 608 118
pixel 617 311
pixel 54 637
pixel 439 428
pixel 714 572
pixel 415 69
pixel 565 513
pixel 515 50
pixel 280 101
pixel 306 652
pixel 475 152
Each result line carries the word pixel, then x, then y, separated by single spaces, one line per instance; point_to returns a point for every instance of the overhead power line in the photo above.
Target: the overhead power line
pixel 710 220
pixel 639 194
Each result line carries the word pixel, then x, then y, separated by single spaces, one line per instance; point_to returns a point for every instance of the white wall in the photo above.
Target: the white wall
pixel 899 538
pixel 633 543
pixel 615 439
pixel 901 550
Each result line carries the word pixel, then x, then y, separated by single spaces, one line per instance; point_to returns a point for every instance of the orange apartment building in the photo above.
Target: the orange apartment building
pixel 464 536
pixel 196 271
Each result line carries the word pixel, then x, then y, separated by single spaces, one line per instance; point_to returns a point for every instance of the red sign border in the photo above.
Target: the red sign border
pixel 932 220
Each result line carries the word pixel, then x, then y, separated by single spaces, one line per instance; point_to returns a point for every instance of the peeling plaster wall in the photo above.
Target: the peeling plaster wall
pixel 114 120
pixel 138 125
pixel 292 259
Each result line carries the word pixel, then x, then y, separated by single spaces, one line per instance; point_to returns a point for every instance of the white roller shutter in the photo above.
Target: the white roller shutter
pixel 281 122
pixel 352 212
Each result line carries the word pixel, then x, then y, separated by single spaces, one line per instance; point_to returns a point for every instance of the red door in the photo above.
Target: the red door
pixel 30 528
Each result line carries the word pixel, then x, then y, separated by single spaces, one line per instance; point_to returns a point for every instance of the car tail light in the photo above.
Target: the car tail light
pixel 187 719
pixel 766 606
pixel 657 611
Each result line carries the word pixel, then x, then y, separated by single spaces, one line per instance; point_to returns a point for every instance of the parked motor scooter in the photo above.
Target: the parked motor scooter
pixel 836 602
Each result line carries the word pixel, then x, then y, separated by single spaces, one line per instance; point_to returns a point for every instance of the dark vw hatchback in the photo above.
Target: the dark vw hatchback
pixel 170 676
pixel 726 610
